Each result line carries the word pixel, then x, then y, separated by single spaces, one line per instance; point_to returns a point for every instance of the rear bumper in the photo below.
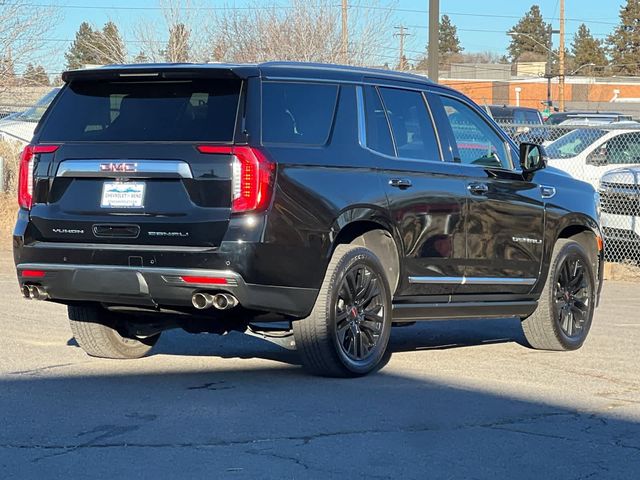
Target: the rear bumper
pixel 163 287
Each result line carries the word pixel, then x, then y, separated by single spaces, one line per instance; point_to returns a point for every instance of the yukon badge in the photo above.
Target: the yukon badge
pixel 121 167
pixel 68 231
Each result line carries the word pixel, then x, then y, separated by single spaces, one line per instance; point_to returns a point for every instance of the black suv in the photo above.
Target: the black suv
pixel 311 205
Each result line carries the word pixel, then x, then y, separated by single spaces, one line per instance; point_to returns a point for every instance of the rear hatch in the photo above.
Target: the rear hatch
pixel 129 167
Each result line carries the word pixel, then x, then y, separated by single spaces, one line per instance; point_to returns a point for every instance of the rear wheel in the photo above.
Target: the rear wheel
pixel 103 334
pixel 348 330
pixel 566 306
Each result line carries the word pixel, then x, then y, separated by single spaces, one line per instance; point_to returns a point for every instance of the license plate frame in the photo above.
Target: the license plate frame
pixel 127 195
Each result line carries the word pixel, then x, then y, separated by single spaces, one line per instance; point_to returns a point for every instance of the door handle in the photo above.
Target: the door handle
pixel 478 188
pixel 400 182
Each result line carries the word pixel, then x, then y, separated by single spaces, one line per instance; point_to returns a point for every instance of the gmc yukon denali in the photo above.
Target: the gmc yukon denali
pixel 314 206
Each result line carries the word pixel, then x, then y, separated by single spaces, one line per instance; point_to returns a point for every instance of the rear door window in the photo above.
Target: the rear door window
pixel 298 113
pixel 198 110
pixel 411 124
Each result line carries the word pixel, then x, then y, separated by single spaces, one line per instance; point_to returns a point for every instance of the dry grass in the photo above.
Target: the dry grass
pixel 626 272
pixel 8 211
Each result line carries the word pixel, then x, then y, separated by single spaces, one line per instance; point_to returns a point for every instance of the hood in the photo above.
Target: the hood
pixel 623 176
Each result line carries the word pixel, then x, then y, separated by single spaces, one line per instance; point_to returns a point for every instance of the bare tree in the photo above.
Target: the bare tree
pixel 23 30
pixel 181 38
pixel 307 30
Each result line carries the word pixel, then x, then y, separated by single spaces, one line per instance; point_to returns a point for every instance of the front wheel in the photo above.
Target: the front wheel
pixel 565 310
pixel 348 330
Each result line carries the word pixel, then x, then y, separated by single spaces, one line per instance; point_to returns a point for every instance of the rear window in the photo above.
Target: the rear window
pixel 298 113
pixel 198 110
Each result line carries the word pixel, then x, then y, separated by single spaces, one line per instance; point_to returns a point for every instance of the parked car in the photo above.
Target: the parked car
pixel 563 122
pixel 620 197
pixel 21 125
pixel 336 200
pixel 588 153
pixel 523 124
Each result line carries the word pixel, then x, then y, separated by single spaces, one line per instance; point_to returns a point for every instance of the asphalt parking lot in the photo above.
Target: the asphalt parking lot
pixel 461 399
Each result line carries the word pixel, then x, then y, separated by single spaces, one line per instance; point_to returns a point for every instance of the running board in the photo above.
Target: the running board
pixel 413 312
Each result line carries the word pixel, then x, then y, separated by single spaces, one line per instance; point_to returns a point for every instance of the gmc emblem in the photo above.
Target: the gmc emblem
pixel 119 167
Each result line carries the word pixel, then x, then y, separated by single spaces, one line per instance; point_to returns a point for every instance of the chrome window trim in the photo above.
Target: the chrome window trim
pixel 472 280
pixel 362 126
pixel 143 168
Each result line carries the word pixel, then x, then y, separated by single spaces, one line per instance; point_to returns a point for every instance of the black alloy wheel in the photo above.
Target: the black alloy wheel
pixel 573 293
pixel 359 313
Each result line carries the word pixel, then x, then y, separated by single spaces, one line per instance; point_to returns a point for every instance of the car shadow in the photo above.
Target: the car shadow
pixel 431 335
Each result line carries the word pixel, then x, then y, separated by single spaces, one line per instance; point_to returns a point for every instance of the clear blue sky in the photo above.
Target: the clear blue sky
pixel 481 23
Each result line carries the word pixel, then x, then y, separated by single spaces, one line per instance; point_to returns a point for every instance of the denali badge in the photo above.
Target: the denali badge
pixel 534 241
pixel 67 231
pixel 168 234
pixel 119 167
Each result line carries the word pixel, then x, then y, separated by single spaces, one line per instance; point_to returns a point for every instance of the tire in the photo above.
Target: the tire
pixel 101 333
pixel 347 335
pixel 565 309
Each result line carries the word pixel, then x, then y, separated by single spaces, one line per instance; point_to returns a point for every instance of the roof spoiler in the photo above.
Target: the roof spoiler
pixel 160 72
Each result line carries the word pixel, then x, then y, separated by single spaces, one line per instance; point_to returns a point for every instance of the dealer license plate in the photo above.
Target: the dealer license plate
pixel 122 195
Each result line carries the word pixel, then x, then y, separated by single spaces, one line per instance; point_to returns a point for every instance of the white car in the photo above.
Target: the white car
pixel 620 203
pixel 588 153
pixel 20 126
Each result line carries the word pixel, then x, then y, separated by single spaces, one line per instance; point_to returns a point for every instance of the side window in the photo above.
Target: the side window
pixel 300 113
pixel 478 143
pixel 411 124
pixel 377 127
pixel 620 150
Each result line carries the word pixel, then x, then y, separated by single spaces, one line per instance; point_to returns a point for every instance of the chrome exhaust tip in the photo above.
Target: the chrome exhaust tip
pixel 39 293
pixel 202 301
pixel 26 292
pixel 224 301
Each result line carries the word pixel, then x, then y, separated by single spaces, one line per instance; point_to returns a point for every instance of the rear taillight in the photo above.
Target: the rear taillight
pixel 25 176
pixel 252 176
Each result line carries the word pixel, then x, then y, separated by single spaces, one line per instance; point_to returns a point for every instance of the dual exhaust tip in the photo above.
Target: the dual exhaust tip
pixel 220 301
pixel 34 292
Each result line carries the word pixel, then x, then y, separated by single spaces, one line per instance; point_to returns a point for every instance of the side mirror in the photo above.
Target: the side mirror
pixel 598 158
pixel 532 157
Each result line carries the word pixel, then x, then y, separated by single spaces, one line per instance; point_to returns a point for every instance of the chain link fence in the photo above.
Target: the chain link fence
pixel 606 155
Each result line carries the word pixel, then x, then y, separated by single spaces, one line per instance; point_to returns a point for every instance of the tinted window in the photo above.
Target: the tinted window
pixel 573 143
pixel 477 142
pixel 145 111
pixel 530 117
pixel 501 114
pixel 378 133
pixel 297 112
pixel 621 150
pixel 411 124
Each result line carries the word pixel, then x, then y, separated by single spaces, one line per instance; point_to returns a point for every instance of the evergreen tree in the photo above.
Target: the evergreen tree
pixel 585 49
pixel 84 49
pixel 448 41
pixel 624 43
pixel 178 47
pixel 35 76
pixel 141 57
pixel 531 36
pixel 7 70
pixel 114 50
pixel 40 76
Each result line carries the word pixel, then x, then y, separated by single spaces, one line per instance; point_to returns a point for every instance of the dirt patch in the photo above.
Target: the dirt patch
pixel 625 272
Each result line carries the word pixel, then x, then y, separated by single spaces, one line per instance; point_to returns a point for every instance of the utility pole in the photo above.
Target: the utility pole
pixel 402 64
pixel 561 55
pixel 434 42
pixel 345 32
